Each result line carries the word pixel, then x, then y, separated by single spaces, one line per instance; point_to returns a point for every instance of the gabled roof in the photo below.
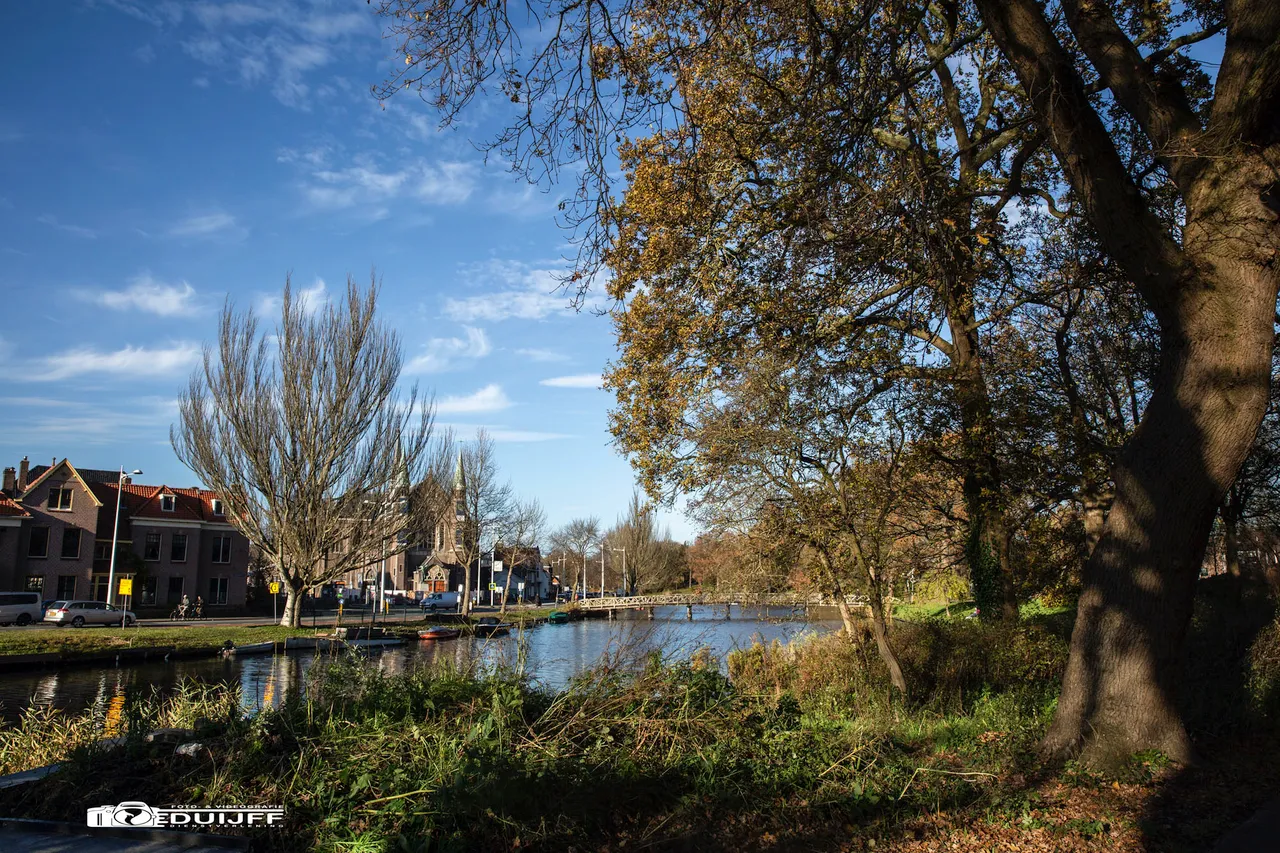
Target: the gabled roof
pixel 71 469
pixel 89 475
pixel 11 509
pixel 190 504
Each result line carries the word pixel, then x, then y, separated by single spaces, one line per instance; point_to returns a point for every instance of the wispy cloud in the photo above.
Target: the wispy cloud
pixel 215 225
pixel 441 354
pixel 312 298
pixel 281 44
pixel 149 294
pixel 52 221
pixel 134 420
pixel 490 398
pixel 503 434
pixel 128 362
pixel 367 183
pixel 542 355
pixel 511 289
pixel 581 380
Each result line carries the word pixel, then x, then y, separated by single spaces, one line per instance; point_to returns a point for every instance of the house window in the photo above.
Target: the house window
pixel 166 503
pixel 59 499
pixel 222 549
pixel 38 545
pixel 217 591
pixel 458 511
pixel 217 507
pixel 98 587
pixel 151 551
pixel 175 589
pixel 70 543
pixel 102 550
pixel 178 548
pixel 457 537
pixel 66 587
pixel 35 583
pixel 146 592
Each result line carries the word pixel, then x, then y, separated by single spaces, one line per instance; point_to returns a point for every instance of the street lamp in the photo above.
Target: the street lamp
pixel 624 568
pixel 115 535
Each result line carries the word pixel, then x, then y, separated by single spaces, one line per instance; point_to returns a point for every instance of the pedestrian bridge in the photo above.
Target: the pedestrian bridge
pixel 711 599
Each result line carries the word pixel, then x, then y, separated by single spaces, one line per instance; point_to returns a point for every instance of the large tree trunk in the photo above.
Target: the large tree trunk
pixel 880 630
pixel 1119 690
pixel 987 540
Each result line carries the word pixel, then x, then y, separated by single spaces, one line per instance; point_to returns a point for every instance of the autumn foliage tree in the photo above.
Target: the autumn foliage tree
pixel 807 170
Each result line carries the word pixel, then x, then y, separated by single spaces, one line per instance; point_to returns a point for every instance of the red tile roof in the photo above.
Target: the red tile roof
pixel 189 504
pixel 10 508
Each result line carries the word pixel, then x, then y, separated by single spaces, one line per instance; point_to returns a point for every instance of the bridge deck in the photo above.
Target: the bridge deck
pixel 706 600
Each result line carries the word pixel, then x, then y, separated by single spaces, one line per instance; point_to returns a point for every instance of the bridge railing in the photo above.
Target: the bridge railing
pixel 711 599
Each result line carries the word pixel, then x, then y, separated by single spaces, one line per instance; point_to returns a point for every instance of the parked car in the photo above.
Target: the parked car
pixel 20 607
pixel 80 613
pixel 440 601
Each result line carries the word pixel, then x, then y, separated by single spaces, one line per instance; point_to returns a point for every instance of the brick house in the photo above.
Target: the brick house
pixel 56 526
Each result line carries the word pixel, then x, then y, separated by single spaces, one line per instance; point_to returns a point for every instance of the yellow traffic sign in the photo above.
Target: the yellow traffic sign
pixel 126 586
pixel 274 586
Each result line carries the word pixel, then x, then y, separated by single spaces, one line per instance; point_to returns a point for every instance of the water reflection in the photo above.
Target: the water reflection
pixel 549 654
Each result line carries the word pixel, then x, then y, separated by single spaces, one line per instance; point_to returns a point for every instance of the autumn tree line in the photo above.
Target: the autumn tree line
pixel 1008 259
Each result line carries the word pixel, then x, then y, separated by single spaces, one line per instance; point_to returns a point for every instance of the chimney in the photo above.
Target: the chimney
pixel 24 468
pixel 10 481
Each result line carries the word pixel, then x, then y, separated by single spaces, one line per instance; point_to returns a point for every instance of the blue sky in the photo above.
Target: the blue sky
pixel 156 158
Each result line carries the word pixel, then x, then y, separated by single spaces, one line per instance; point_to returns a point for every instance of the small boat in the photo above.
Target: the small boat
pixel 250 649
pixel 557 617
pixel 491 627
pixel 375 643
pixel 439 633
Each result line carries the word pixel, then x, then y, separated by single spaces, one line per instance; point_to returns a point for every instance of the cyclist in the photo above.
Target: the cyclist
pixel 199 607
pixel 185 607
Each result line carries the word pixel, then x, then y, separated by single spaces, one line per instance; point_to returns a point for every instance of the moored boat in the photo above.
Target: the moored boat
pixel 491 627
pixel 251 649
pixel 557 617
pixel 439 633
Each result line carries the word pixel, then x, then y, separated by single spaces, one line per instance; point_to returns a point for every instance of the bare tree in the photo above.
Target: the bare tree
pixel 576 539
pixel 486 503
pixel 519 535
pixel 303 435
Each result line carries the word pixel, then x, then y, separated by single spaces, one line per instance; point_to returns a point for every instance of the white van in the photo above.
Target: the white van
pixel 441 601
pixel 20 607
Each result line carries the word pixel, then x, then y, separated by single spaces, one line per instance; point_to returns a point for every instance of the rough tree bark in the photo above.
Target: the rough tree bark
pixel 1213 294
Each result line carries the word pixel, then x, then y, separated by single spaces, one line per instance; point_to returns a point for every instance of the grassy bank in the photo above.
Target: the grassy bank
pixel 101 639
pixel 798 747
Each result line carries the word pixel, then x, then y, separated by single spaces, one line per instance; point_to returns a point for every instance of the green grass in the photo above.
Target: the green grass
pixel 68 639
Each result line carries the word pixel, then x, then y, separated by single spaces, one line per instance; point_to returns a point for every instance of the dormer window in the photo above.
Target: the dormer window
pixel 217 507
pixel 59 498
pixel 167 503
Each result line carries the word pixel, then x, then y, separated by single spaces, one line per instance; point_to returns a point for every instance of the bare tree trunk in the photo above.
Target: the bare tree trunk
pixel 292 617
pixel 1095 504
pixel 466 586
pixel 880 630
pixel 1118 694
pixel 1231 534
pixel 506 589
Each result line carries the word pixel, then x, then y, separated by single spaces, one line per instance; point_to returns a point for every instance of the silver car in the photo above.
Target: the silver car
pixel 80 613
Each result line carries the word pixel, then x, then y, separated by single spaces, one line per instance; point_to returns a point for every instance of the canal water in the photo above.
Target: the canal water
pixel 550 655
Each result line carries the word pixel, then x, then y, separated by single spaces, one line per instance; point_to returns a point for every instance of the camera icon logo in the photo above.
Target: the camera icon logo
pixel 126 814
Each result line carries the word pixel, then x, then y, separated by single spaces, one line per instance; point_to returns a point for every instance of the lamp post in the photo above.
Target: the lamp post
pixel 115 536
pixel 625 588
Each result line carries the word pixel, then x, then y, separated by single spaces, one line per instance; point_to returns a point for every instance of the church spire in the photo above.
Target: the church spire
pixel 459 480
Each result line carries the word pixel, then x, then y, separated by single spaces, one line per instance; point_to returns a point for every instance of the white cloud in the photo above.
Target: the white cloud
pixel 135 420
pixel 365 183
pixel 281 44
pixel 581 380
pixel 128 362
pixel 523 291
pixel 441 354
pixel 490 398
pixel 312 299
pixel 216 224
pixel 542 355
pixel 52 221
pixel 145 293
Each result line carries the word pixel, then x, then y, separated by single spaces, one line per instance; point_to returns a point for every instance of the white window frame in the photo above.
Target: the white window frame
pixel 172 502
